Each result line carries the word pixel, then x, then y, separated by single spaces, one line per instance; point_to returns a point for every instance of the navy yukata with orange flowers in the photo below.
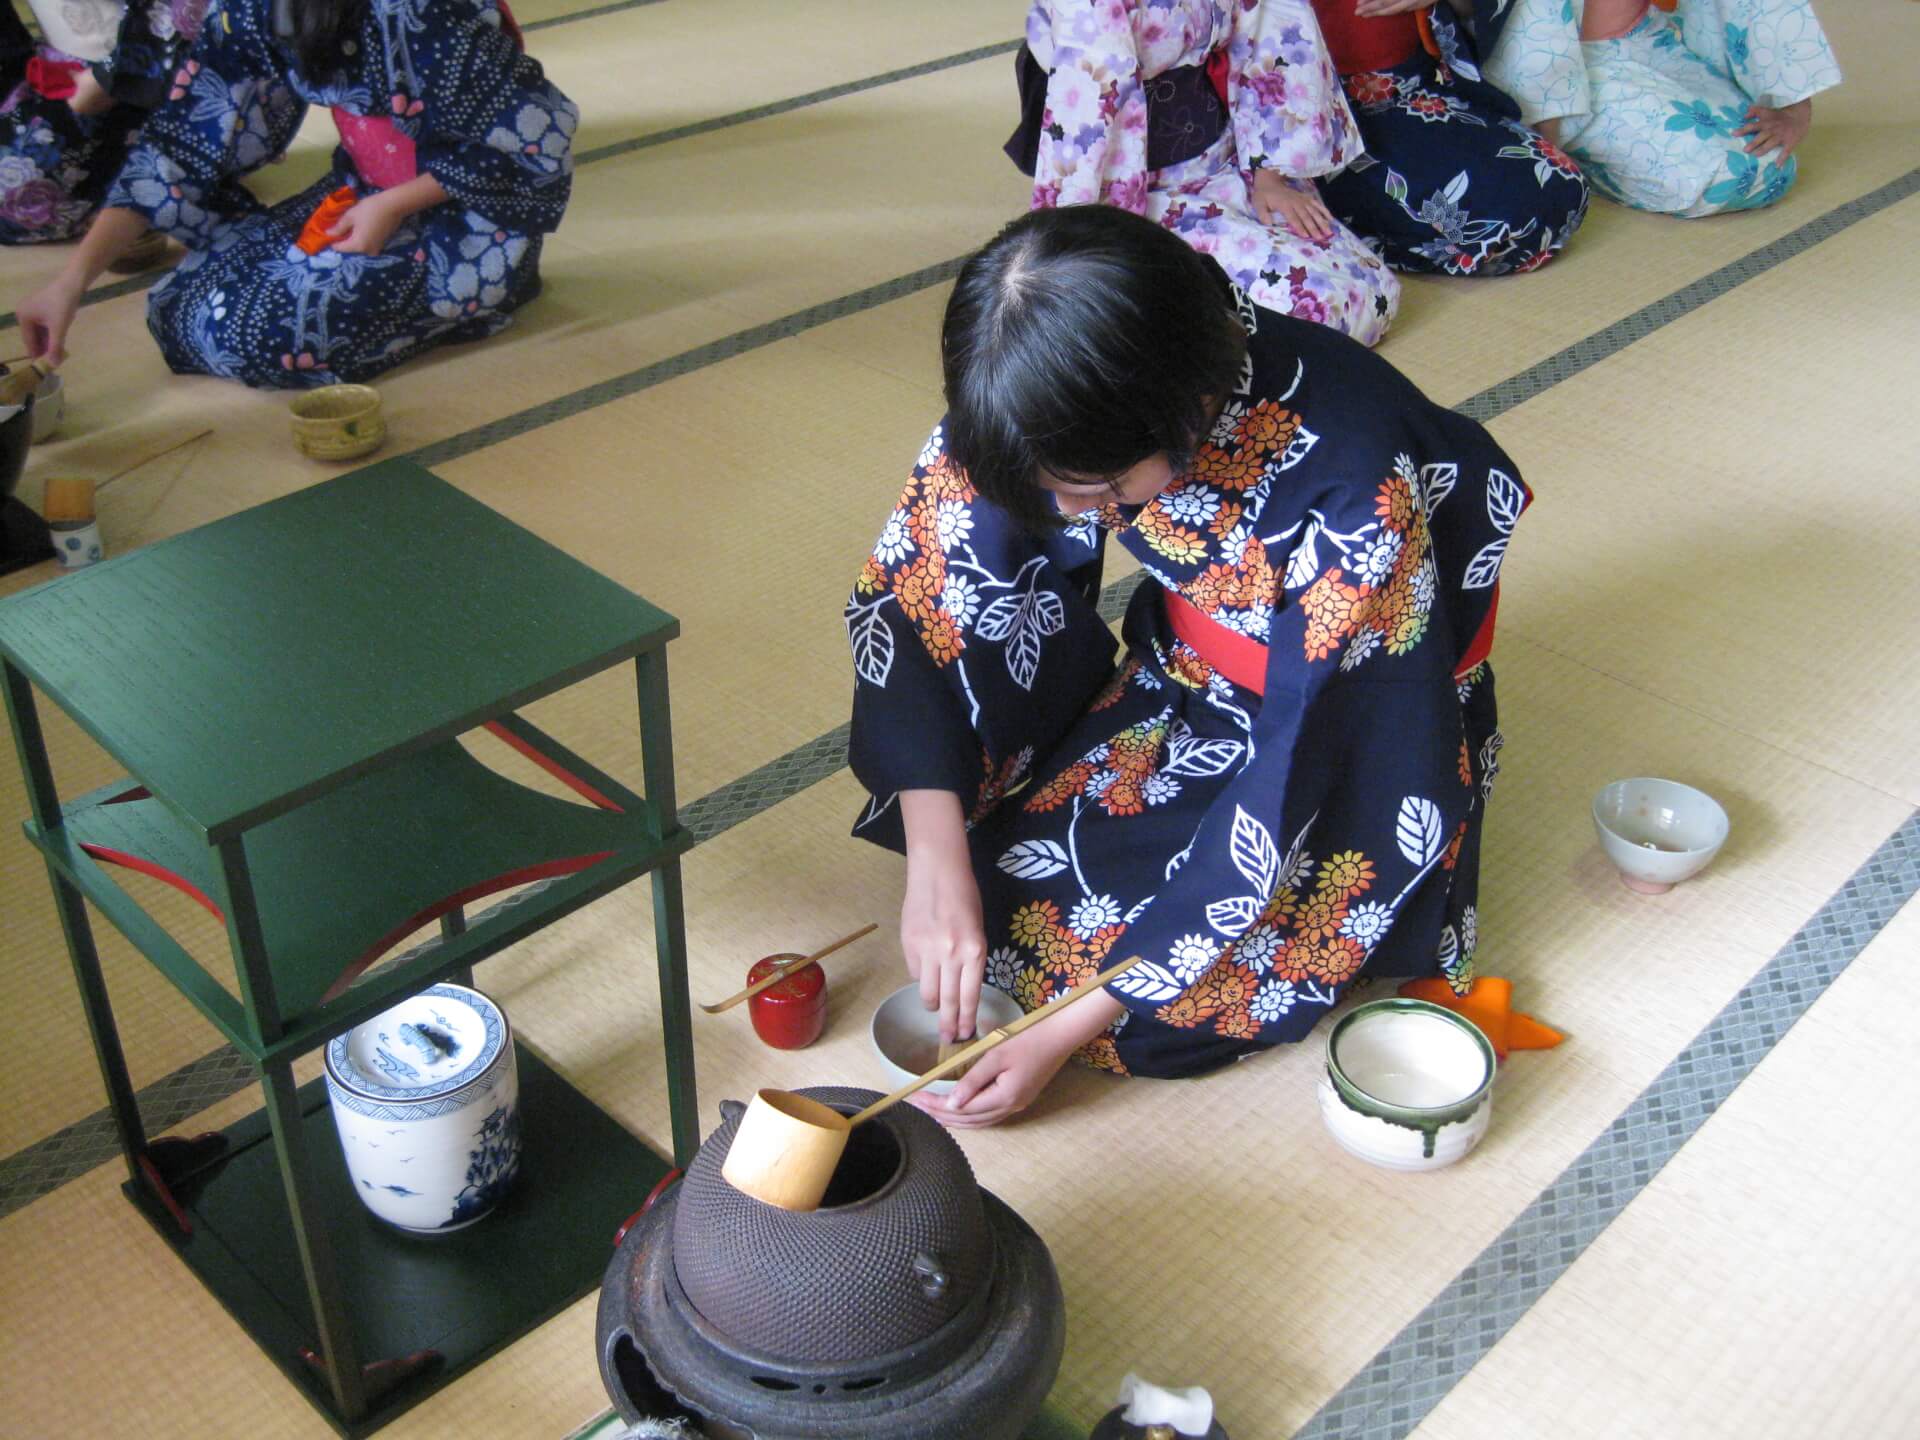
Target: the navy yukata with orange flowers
pixel 1257 846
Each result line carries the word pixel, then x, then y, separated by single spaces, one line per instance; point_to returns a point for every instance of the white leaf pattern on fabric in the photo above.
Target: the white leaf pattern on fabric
pixel 1148 981
pixel 1420 830
pixel 1049 615
pixel 1034 860
pixel 1484 569
pixel 1202 759
pixel 1254 853
pixel 1437 481
pixel 1456 187
pixel 1303 566
pixel 1449 951
pixel 1505 501
pixel 1233 917
pixel 998 619
pixel 1139 910
pixel 1023 655
pixel 872 644
pixel 1296 451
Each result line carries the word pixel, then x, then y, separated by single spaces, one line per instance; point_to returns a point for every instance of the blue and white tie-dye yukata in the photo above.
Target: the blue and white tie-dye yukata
pixel 55 163
pixel 247 303
pixel 1650 114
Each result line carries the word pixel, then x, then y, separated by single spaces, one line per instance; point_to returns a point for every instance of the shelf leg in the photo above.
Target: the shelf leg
pixel 339 1357
pixel 452 925
pixel 669 919
pixel 35 768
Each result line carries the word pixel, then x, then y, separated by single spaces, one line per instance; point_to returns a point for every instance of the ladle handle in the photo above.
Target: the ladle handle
pixel 961 1059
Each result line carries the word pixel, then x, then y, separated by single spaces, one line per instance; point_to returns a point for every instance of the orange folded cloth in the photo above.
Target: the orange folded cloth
pixel 1488 1004
pixel 314 236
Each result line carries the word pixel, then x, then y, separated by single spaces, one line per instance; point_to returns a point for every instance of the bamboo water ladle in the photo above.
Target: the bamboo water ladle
pixel 787 1146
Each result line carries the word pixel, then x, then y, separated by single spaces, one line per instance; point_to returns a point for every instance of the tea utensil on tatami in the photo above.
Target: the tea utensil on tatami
pixel 775 977
pixel 788 1146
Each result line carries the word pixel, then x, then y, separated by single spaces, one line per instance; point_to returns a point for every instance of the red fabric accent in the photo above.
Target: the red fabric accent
pixel 54 79
pixel 1482 645
pixel 511 28
pixel 382 155
pixel 1217 73
pixel 1361 43
pixel 1241 659
pixel 553 767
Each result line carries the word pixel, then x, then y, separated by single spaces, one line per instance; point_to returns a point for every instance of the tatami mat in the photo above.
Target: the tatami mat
pixel 1765 1282
pixel 1717 583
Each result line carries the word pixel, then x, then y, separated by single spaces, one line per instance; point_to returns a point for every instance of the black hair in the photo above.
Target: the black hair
pixel 317 32
pixel 1079 342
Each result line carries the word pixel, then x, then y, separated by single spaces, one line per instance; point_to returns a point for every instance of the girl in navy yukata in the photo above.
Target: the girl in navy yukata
pixel 1281 783
pixel 455 146
pixel 72 101
pixel 1451 182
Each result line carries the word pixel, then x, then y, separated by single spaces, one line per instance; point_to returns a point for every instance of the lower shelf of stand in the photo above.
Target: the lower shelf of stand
pixel 465 1295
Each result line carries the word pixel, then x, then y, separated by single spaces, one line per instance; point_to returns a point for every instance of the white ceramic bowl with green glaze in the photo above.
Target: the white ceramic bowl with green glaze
pixel 1408 1085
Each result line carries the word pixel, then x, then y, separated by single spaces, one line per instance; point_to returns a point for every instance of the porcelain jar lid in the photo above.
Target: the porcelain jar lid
pixel 425 1048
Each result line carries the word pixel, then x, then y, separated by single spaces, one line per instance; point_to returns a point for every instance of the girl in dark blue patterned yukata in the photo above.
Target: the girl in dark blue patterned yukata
pixel 71 102
pixel 1451 182
pixel 1282 780
pixel 457 151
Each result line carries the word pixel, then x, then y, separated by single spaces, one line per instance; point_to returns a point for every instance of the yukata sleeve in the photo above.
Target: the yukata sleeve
pixel 227 110
pixel 155 38
pixel 1359 788
pixel 1093 139
pixel 494 131
pixel 1289 112
pixel 973 650
pixel 1537 60
pixel 1775 50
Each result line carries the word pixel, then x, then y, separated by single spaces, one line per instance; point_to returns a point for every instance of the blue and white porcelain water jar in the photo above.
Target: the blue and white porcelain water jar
pixel 426 1099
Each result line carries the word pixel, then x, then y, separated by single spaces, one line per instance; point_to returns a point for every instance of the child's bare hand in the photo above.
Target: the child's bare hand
pixel 1780 129
pixel 1294 204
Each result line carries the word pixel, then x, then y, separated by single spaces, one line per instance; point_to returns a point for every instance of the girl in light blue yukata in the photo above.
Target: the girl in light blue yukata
pixel 1690 113
pixel 454 146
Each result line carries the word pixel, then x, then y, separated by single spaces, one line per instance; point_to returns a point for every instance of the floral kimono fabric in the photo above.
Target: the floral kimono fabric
pixel 1285 113
pixel 56 165
pixel 1650 114
pixel 249 304
pixel 1257 850
pixel 1451 182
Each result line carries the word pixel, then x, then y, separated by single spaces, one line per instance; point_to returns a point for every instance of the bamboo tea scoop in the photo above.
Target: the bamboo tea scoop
pixel 788 1146
pixel 770 980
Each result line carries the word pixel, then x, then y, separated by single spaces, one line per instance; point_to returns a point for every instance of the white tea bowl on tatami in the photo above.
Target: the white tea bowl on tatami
pixel 1408 1085
pixel 1658 832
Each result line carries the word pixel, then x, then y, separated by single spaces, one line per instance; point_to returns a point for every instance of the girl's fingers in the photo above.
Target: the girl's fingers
pixel 929 984
pixel 965 1024
pixel 949 1002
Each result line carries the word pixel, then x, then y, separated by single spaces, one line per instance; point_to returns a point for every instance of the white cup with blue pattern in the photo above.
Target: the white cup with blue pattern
pixel 426 1099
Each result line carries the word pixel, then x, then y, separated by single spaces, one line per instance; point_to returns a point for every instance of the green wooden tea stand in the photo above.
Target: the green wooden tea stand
pixel 284 689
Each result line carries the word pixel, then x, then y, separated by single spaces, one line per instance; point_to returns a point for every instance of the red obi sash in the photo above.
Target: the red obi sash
pixel 1243 660
pixel 1359 43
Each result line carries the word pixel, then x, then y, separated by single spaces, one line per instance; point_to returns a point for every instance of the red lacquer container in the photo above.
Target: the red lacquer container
pixel 791 1014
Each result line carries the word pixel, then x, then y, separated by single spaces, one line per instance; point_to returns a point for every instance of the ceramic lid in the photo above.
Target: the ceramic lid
pixel 427 1046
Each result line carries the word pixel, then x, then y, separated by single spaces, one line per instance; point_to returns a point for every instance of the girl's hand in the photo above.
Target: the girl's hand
pixel 1294 204
pixel 1004 1081
pixel 1780 129
pixel 366 228
pixel 46 315
pixel 89 96
pixel 1374 9
pixel 944 938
